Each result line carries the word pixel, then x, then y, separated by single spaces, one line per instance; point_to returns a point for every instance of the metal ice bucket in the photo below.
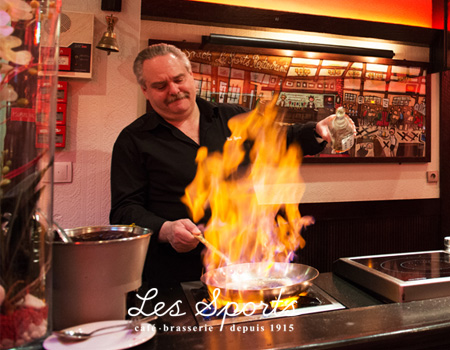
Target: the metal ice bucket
pixel 92 275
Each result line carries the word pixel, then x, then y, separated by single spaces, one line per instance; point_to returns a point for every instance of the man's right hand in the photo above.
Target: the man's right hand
pixel 180 235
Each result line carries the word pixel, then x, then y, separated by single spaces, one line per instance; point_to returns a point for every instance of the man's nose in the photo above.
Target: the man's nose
pixel 174 88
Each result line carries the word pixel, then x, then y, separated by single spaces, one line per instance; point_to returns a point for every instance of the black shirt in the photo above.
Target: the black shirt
pixel 152 164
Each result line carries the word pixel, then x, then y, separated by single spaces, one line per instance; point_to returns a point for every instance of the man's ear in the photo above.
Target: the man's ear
pixel 144 90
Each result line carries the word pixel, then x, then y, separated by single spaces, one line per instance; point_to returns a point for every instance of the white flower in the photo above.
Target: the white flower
pixel 5 28
pixel 32 301
pixel 17 9
pixel 7 93
pixel 19 57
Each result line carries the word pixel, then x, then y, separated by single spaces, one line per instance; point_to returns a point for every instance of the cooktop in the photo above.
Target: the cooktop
pixel 315 300
pixel 400 277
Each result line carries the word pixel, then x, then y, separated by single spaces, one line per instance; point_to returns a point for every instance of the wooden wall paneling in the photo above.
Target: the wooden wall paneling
pixel 444 154
pixel 368 228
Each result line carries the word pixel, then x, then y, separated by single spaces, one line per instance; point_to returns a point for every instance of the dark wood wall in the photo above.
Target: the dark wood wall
pixel 368 228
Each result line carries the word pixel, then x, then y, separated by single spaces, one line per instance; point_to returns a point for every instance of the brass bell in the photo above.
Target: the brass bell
pixel 108 42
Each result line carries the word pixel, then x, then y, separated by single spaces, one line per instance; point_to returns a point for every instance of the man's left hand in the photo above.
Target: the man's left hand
pixel 322 127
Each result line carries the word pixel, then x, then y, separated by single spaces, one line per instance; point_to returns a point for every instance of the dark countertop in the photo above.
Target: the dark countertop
pixel 367 323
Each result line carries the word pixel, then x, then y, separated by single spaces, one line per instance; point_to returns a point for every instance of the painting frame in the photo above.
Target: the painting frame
pixel 393 126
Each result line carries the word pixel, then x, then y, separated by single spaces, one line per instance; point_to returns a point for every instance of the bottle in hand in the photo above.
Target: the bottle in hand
pixel 341 131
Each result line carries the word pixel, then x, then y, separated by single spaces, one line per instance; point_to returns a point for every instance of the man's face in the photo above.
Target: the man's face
pixel 169 87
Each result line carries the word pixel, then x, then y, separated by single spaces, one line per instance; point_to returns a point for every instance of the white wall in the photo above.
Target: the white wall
pixel 100 107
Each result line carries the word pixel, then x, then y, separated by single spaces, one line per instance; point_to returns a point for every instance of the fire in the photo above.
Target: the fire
pixel 286 303
pixel 253 190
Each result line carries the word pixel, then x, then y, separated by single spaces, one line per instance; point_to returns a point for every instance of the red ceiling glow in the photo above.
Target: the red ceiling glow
pixel 414 13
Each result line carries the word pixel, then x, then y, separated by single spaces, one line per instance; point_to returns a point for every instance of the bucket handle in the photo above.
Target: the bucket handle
pixel 61 233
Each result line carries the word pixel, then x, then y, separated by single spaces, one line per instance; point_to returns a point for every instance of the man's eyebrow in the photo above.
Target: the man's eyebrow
pixel 164 82
pixel 158 83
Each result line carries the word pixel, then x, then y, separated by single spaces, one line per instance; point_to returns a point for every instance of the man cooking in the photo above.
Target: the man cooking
pixel 153 161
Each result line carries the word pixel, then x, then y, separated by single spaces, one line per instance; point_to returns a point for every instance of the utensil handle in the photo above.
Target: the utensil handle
pixel 212 248
pixel 133 323
pixel 145 319
pixel 124 326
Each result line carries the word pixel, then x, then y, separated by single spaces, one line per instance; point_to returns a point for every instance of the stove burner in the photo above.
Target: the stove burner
pixel 426 265
pixel 419 266
pixel 410 267
pixel 315 301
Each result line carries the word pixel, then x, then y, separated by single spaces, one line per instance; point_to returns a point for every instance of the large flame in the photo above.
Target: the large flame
pixel 253 190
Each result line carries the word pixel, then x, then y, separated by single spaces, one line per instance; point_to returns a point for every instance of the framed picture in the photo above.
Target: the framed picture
pixel 390 110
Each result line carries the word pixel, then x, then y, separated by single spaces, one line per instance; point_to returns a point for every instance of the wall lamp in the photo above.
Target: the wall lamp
pixel 219 39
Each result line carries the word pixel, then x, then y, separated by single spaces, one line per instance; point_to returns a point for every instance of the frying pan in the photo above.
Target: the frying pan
pixel 259 282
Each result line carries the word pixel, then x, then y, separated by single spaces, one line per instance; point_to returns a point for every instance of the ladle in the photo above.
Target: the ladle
pixel 78 335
